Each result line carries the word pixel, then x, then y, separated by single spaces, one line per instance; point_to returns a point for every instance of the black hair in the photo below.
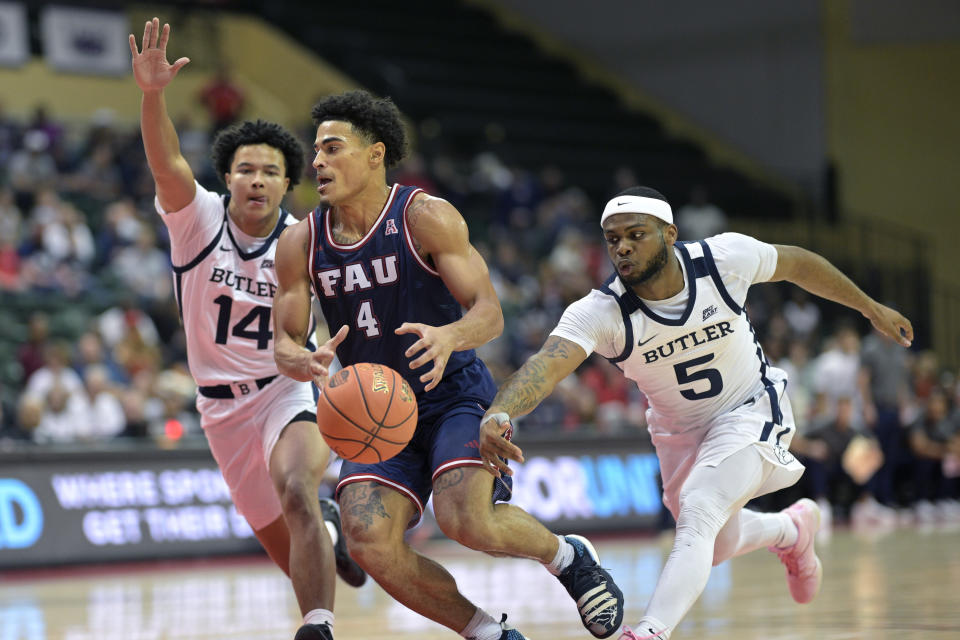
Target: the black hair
pixel 643 192
pixel 375 119
pixel 227 142
pixel 646 192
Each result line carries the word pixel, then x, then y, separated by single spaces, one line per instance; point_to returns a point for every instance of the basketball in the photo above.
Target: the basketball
pixel 367 413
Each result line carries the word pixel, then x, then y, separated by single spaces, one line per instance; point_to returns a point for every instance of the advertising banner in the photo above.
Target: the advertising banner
pixel 55 512
pixel 13 34
pixel 105 505
pixel 86 40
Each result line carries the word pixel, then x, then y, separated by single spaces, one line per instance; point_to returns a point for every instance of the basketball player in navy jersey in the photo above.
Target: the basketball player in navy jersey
pixel 392 268
pixel 261 426
pixel 672 319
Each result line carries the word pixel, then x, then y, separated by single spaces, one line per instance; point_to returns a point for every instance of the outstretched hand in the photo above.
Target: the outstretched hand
pixel 436 346
pixel 891 324
pixel 150 67
pixel 321 359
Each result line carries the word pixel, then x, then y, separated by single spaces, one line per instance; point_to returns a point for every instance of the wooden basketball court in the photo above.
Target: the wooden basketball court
pixel 899 584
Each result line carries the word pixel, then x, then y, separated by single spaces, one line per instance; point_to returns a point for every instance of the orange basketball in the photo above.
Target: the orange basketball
pixel 367 413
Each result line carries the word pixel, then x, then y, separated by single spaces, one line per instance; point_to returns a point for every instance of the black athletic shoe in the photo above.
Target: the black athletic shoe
pixel 509 633
pixel 314 632
pixel 347 569
pixel 598 598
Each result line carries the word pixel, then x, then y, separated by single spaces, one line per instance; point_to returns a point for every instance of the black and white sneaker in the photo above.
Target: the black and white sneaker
pixel 314 632
pixel 509 633
pixel 347 569
pixel 599 600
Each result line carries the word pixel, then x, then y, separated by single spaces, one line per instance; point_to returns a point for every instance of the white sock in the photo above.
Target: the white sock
pixel 332 530
pixel 565 555
pixel 649 626
pixel 482 626
pixel 319 616
pixel 789 532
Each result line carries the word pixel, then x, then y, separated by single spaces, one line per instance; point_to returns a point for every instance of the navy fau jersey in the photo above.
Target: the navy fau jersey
pixel 375 285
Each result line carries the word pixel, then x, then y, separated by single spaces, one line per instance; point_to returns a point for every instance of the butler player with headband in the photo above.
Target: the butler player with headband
pixel 392 267
pixel 261 426
pixel 672 320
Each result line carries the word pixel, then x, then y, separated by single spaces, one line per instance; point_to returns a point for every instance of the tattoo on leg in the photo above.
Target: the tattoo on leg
pixel 362 503
pixel 449 479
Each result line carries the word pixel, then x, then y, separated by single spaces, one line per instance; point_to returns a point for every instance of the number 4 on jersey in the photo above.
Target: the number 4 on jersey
pixel 367 320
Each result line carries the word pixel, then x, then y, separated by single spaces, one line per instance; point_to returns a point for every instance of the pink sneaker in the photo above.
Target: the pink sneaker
pixel 630 634
pixel 804 571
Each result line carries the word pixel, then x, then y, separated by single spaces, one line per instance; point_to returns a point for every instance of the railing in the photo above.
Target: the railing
pixel 891 262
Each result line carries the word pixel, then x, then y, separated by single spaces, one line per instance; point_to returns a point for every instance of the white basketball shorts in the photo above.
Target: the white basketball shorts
pixel 748 425
pixel 242 432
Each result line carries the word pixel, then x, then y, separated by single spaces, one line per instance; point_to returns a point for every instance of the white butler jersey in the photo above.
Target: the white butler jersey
pixel 224 282
pixel 695 356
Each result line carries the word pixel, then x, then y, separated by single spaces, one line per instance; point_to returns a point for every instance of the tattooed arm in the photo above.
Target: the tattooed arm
pixel 520 394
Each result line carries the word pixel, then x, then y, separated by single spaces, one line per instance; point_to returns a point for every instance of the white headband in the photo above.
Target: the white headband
pixel 638 204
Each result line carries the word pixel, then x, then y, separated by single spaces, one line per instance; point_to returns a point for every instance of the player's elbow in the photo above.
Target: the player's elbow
pixel 497 324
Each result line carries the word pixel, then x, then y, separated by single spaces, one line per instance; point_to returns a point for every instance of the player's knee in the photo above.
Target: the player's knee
pixel 373 554
pixel 699 514
pixel 468 527
pixel 298 497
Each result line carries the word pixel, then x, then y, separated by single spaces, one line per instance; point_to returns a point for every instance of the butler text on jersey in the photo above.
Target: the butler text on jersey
pixel 696 338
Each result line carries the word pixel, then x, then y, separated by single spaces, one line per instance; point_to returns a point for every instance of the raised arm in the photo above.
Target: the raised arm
pixel 814 273
pixel 440 232
pixel 291 312
pixel 171 173
pixel 520 394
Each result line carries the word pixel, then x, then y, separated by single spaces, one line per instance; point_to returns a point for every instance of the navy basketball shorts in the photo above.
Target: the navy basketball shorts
pixel 442 442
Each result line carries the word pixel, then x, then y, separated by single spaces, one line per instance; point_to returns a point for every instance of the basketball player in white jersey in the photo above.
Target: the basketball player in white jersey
pixel 261 426
pixel 672 319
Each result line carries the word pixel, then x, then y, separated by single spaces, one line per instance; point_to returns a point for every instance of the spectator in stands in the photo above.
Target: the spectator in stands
pixel 68 239
pixel 66 415
pixel 925 375
pixel 119 229
pixel 98 176
pixel 29 413
pixel 11 218
pixel 699 218
pixel 30 354
pixel 10 266
pixel 105 413
pixel 31 168
pixel 55 372
pixel 802 314
pixel 837 370
pixel 822 450
pixel 800 373
pixel 116 322
pixel 144 268
pixel 222 98
pixel 54 131
pixel 932 436
pixel 91 353
pixel 884 366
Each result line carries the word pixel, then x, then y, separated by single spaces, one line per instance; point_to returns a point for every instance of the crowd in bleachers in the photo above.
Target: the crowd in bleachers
pixel 91 346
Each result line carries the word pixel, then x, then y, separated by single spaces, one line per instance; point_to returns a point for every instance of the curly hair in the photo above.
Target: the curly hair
pixel 375 119
pixel 227 142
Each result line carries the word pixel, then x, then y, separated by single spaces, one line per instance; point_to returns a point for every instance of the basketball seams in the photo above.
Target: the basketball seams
pixel 368 432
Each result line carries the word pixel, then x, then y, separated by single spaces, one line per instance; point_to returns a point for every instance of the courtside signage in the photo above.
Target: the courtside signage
pixel 55 512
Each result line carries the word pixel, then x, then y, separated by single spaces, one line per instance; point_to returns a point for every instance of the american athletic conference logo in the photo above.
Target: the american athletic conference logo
pixel 391 228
